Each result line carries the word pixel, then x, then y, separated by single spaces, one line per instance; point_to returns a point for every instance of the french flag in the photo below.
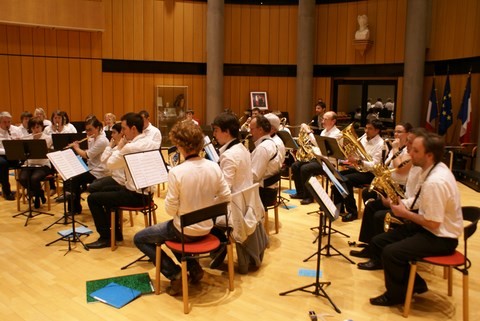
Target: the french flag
pixel 465 114
pixel 432 111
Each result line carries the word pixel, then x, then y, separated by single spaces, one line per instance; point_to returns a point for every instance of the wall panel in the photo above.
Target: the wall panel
pixel 28 84
pixel 4 82
pixel 86 78
pixel 26 40
pixel 51 68
pixel 16 82
pixel 40 81
pixel 74 102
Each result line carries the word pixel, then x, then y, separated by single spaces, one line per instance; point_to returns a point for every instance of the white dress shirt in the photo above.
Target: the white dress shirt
pixel 12 133
pixel 236 166
pixel 96 146
pixel 374 148
pixel 154 134
pixel 265 160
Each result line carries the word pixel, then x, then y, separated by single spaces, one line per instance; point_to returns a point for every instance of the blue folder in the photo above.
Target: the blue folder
pixel 115 295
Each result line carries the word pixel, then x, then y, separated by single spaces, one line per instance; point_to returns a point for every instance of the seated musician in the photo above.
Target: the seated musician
pixel 109 120
pixel 38 168
pixel 149 130
pixel 7 132
pixel 184 196
pixel 275 124
pixel 303 169
pixel 60 124
pixel 24 118
pixel 433 231
pixel 265 159
pixel 375 210
pixel 96 145
pixel 373 144
pixel 116 179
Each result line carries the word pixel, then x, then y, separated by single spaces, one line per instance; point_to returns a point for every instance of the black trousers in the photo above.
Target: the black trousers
pixel 75 186
pixel 37 174
pixel 401 245
pixel 353 178
pixel 301 172
pixel 4 174
pixel 372 221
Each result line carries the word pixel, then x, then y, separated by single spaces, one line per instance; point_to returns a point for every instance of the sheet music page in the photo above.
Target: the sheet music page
pixel 324 197
pixel 67 163
pixel 210 150
pixel 334 180
pixel 147 168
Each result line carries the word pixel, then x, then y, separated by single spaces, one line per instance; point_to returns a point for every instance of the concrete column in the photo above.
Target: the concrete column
pixel 415 45
pixel 305 51
pixel 215 57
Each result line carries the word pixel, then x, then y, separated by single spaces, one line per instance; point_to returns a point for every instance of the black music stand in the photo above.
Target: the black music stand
pixel 60 141
pixel 290 145
pixel 327 208
pixel 329 147
pixel 147 169
pixel 24 150
pixel 68 166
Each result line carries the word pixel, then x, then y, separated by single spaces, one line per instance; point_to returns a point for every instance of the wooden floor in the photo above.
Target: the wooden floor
pixel 47 283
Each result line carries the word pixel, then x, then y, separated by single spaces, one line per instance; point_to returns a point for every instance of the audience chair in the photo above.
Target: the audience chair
pixel 457 260
pixel 196 250
pixel 21 191
pixel 143 209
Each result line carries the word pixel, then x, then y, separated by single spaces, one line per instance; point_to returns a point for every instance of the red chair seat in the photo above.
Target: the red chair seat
pixel 205 245
pixel 138 208
pixel 455 259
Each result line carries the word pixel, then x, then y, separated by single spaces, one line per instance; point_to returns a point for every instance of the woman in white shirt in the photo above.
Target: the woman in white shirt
pixel 60 124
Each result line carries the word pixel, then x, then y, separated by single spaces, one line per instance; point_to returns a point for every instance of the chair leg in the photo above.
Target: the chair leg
pixel 46 187
pixel 158 253
pixel 449 280
pixel 230 266
pixel 276 219
pixel 186 310
pixel 267 230
pixel 20 193
pixel 409 294
pixel 154 217
pixel 131 218
pixel 466 310
pixel 113 244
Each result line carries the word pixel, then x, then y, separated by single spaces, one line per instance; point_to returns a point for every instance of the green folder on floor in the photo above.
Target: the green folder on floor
pixel 140 282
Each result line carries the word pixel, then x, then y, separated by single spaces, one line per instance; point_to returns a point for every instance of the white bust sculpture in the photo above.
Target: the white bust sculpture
pixel 362 33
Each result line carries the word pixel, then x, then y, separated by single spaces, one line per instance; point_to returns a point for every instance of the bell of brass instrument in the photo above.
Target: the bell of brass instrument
pixel 389 220
pixel 246 125
pixel 351 146
pixel 305 148
pixel 246 141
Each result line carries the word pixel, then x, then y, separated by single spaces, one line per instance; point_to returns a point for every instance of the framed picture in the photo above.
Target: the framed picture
pixel 258 99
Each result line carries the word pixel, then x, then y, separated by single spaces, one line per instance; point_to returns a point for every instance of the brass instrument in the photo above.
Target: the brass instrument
pixel 389 220
pixel 305 148
pixel 246 125
pixel 283 122
pixel 351 146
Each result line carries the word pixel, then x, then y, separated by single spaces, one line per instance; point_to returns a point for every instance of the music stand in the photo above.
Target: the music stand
pixel 336 180
pixel 24 150
pixel 290 145
pixel 329 147
pixel 327 208
pixel 68 165
pixel 60 141
pixel 147 169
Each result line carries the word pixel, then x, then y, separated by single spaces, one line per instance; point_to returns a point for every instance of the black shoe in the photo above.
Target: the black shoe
pixel 42 197
pixel 219 257
pixel 99 244
pixel 370 265
pixel 383 301
pixel 196 274
pixel 349 217
pixel 306 201
pixel 62 197
pixel 296 196
pixel 118 236
pixel 9 196
pixel 363 253
pixel 419 289
pixel 36 202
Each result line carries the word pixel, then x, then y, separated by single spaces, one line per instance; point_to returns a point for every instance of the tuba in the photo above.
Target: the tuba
pixel 352 147
pixel 305 150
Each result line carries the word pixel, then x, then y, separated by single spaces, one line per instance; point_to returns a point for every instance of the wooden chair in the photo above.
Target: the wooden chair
pixel 456 261
pixel 143 209
pixel 274 179
pixel 194 250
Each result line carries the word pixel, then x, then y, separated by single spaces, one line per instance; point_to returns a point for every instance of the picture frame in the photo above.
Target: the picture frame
pixel 258 99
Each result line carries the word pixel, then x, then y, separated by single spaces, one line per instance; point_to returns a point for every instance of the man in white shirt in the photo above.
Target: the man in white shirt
pixel 373 144
pixel 275 123
pixel 7 132
pixel 149 130
pixel 265 160
pixel 101 203
pixel 433 231
pixel 302 171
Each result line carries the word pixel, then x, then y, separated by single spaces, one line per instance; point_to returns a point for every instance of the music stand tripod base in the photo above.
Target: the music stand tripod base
pixel 73 237
pixel 31 214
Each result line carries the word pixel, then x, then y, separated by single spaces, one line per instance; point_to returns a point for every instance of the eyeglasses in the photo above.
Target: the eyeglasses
pixel 399 131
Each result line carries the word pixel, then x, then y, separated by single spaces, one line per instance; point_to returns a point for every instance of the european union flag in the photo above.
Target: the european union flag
pixel 446 118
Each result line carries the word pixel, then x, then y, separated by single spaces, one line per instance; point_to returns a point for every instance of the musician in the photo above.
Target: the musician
pixel 109 119
pixel 375 210
pixel 96 145
pixel 116 179
pixel 60 124
pixel 303 170
pixel 24 118
pixel 149 130
pixel 189 116
pixel 256 112
pixel 7 132
pixel 102 202
pixel 265 159
pixel 275 124
pixel 316 122
pixel 433 231
pixel 183 183
pixel 373 144
pixel 38 168
pixel 40 112
pixel 235 160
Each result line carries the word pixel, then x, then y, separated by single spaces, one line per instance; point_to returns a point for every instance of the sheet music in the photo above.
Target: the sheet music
pixel 210 150
pixel 147 168
pixel 324 197
pixel 67 163
pixel 334 180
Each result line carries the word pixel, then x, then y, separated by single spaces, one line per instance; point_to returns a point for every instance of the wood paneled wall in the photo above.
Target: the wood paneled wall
pixel 62 69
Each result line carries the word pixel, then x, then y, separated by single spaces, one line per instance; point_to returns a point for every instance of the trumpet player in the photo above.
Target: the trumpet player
pixel 373 144
pixel 433 231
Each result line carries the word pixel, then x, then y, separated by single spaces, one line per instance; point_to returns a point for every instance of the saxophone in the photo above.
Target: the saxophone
pixel 305 150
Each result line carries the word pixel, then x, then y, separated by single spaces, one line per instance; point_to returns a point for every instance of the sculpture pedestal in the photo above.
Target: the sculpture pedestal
pixel 362 45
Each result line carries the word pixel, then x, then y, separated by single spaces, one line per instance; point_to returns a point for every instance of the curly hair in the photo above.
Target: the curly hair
pixel 188 136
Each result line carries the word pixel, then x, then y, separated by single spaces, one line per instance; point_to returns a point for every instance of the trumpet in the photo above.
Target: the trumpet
pixel 79 141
